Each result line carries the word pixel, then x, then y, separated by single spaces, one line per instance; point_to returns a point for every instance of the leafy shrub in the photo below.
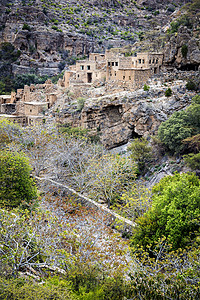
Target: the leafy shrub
pixel 9 132
pixel 29 290
pixel 168 92
pixel 16 185
pixel 141 153
pixel 146 88
pixel 193 161
pixel 27 79
pixel 70 131
pixel 191 85
pixel 184 20
pixel 174 214
pixel 193 143
pixel 26 27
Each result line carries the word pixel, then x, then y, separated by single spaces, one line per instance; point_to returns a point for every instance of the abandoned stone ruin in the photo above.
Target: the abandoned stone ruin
pixel 28 105
pixel 131 71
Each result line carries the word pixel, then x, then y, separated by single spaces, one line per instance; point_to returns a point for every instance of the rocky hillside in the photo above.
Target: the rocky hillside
pixel 51 34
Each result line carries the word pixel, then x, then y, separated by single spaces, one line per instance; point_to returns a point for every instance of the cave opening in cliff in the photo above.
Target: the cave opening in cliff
pixel 135 135
pixel 190 67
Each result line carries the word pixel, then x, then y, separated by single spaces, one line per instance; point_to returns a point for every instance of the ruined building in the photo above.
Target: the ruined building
pixel 28 105
pixel 131 71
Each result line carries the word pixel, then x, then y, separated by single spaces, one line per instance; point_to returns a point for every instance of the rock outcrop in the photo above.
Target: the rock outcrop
pixel 188 59
pixel 125 115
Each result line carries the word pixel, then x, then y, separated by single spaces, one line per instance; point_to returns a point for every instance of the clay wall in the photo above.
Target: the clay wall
pixel 125 62
pixel 96 57
pixel 5 99
pixel 140 61
pixel 141 76
pixel 33 121
pixel 112 54
pixel 33 109
pixel 13 97
pixel 67 76
pixel 51 98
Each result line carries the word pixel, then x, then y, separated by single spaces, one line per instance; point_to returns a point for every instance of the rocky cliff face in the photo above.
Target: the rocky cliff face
pixel 49 33
pixel 41 47
pixel 183 50
pixel 122 116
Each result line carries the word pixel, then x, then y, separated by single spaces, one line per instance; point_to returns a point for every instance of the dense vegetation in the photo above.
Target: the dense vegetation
pixel 181 125
pixel 69 248
pixel 174 214
pixel 16 185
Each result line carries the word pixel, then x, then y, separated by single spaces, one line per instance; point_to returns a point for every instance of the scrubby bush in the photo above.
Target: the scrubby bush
pixel 141 153
pixel 191 85
pixel 146 88
pixel 193 143
pixel 8 52
pixel 80 103
pixel 26 27
pixel 17 187
pixel 168 92
pixel 184 20
pixel 9 132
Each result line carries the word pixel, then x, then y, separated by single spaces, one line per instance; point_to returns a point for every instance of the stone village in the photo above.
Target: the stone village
pixel 110 88
pixel 27 106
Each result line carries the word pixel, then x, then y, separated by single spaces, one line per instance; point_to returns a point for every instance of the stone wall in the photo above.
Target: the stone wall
pixel 33 109
pixel 121 224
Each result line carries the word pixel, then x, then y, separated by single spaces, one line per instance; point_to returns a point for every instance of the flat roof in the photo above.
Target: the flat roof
pixel 135 69
pixel 36 103
pixel 35 117
pixel 5 96
pixel 11 116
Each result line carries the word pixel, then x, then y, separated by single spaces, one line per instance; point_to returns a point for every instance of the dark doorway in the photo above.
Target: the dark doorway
pixel 89 77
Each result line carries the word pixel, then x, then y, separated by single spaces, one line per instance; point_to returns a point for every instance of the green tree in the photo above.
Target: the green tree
pixel 180 126
pixel 174 130
pixel 16 185
pixel 141 153
pixel 175 213
pixel 192 160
